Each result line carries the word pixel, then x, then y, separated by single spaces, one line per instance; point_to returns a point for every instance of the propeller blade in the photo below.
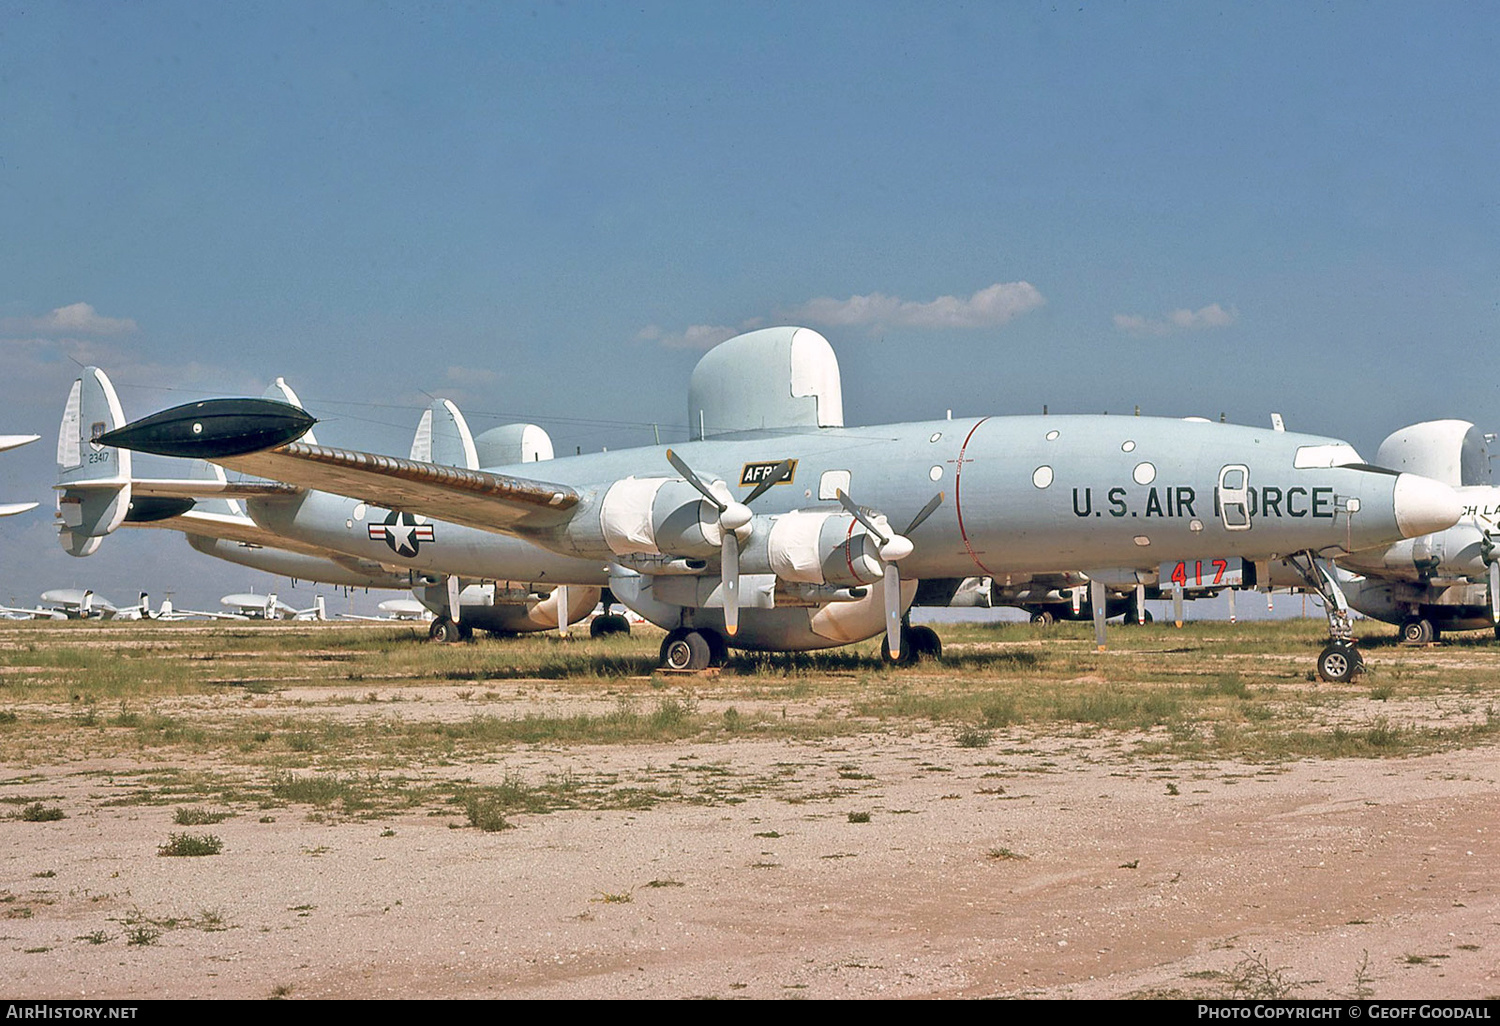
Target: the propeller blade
pixel 1097 598
pixel 893 610
pixel 1495 592
pixel 925 512
pixel 855 512
pixel 453 598
pixel 691 478
pixel 730 558
pixel 782 471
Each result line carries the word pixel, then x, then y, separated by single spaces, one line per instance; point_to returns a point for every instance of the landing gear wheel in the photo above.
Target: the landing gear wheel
pixel 925 643
pixel 686 650
pixel 444 631
pixel 1339 663
pixel 1417 631
pixel 1043 617
pixel 603 626
pixel 465 632
pixel 718 648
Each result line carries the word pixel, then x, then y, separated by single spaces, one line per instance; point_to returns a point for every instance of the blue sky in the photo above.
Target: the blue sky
pixel 546 211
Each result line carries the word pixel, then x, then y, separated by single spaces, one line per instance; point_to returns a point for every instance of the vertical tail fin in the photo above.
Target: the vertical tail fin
pixel 281 392
pixel 443 436
pixel 94 480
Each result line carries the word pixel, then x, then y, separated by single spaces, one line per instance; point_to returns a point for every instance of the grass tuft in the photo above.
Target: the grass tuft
pixel 191 845
pixel 36 812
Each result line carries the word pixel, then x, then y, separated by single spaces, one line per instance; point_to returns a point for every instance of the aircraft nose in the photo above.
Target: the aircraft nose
pixel 1424 506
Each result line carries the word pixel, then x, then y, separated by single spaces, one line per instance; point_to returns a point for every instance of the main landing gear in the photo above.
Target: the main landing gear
pixel 687 649
pixel 445 631
pixel 1340 661
pixel 1418 630
pixel 608 623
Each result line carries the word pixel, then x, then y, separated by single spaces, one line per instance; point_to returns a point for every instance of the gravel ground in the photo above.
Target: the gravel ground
pixel 1038 866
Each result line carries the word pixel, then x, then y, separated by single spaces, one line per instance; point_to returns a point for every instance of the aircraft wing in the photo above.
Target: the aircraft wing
pixel 474 498
pixel 256 436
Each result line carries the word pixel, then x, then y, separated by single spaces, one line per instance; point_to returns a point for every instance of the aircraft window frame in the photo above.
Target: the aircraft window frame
pixel 830 482
pixel 936 473
pixel 1052 435
pixel 1144 472
pixel 1237 497
pixel 1128 445
pixel 1042 476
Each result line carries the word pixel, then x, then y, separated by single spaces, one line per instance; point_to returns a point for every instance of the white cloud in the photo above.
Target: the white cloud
pixel 987 308
pixel 696 336
pixel 78 319
pixel 1211 316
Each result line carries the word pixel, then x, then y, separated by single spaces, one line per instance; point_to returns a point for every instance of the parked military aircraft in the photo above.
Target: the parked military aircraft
pixel 10 509
pixel 394 609
pixel 750 534
pixel 1450 580
pixel 80 604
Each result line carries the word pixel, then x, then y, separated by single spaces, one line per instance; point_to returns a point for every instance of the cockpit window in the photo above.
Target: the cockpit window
pixel 1335 454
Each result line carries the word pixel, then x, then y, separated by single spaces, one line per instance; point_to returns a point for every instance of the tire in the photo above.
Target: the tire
pixel 443 631
pixel 718 648
pixel 1417 631
pixel 603 626
pixel 1339 664
pixel 925 643
pixel 1043 617
pixel 686 651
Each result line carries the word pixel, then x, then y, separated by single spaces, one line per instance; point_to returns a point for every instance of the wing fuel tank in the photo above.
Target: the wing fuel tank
pixel 213 429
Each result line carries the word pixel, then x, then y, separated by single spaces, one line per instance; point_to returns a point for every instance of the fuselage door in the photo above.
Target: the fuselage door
pixel 1234 497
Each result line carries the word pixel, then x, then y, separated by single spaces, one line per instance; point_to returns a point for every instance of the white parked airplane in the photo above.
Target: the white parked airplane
pixel 748 536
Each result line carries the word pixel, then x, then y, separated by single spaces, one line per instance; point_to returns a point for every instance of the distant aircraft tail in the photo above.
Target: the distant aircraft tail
pixel 94 479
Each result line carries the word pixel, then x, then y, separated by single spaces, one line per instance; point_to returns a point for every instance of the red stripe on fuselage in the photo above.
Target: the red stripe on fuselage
pixel 958 506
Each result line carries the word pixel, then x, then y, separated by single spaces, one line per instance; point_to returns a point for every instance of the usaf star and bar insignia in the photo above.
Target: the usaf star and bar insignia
pixel 402 533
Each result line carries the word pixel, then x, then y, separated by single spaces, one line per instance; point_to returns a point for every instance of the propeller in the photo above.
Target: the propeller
pixel 893 547
pixel 734 516
pixel 1487 551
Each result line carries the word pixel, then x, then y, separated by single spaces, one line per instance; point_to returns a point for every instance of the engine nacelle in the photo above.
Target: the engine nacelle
pixel 815 547
pixel 654 516
pixel 1456 552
